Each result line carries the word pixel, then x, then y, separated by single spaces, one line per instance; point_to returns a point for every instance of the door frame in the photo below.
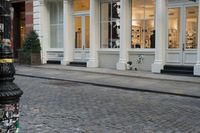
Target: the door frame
pixel 179 56
pixel 81 54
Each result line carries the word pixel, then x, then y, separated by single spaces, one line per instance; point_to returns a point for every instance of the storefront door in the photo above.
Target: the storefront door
pixel 82 37
pixel 182 35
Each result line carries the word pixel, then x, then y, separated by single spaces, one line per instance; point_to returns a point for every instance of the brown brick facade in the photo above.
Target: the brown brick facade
pixel 22 22
pixel 29 15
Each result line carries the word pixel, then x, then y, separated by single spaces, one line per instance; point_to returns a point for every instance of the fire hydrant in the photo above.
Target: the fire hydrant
pixel 10 93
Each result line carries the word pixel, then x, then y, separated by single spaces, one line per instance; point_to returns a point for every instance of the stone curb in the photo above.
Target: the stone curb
pixel 112 86
pixel 169 78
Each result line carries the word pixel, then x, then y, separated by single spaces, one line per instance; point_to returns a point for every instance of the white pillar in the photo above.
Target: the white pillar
pixel 68 32
pixel 125 33
pixel 161 30
pixel 94 33
pixel 197 65
pixel 44 26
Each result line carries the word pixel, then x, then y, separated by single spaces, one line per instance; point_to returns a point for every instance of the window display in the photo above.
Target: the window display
pixel 110 24
pixel 143 33
pixel 191 27
pixel 190 32
pixel 173 27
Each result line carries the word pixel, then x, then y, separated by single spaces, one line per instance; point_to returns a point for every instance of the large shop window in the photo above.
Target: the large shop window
pixel 143 30
pixel 56 24
pixel 110 24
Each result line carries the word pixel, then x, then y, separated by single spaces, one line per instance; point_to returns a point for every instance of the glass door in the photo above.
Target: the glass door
pixel 182 35
pixel 191 33
pixel 82 35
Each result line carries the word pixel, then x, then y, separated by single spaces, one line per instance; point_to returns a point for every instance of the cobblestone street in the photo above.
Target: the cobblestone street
pixel 50 106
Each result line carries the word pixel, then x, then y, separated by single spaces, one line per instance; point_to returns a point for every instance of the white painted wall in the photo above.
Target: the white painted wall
pixel 36 16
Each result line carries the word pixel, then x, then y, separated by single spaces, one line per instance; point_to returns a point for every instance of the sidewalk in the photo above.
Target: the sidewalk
pixel 131 80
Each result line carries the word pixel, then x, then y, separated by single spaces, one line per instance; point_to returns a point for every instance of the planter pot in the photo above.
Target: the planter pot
pixel 29 58
pixel 35 59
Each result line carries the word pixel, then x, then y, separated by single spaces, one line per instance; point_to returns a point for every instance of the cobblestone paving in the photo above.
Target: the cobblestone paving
pixel 49 106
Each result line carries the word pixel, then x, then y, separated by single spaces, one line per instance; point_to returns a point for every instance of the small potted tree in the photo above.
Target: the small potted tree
pixel 30 52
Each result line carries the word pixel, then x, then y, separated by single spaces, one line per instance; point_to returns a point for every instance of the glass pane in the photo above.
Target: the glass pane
pixel 110 24
pixel 138 9
pixel 81 5
pixel 22 28
pixel 87 32
pixel 105 37
pixel 56 24
pixel 173 27
pixel 149 34
pixel 105 12
pixel 60 36
pixel 78 31
pixel 191 27
pixel 137 34
pixel 149 9
pixel 115 34
pixel 115 10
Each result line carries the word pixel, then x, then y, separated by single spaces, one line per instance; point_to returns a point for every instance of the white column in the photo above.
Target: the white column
pixel 125 33
pixel 68 32
pixel 161 30
pixel 44 26
pixel 197 65
pixel 94 33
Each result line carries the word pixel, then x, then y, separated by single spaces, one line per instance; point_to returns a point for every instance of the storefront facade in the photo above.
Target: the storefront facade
pixel 110 33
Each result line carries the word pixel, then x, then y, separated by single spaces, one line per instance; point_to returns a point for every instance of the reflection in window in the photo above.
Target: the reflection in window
pixel 78 31
pixel 191 27
pixel 173 27
pixel 110 24
pixel 56 24
pixel 143 33
pixel 81 5
pixel 87 32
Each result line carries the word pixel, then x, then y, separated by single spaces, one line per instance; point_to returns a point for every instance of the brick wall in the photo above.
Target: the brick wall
pixel 29 15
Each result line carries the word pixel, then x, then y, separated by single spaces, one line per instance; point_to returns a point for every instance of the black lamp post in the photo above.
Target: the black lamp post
pixel 10 93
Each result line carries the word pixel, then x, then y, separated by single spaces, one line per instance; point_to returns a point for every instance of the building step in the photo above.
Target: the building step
pixel 78 64
pixel 177 67
pixel 53 62
pixel 178 70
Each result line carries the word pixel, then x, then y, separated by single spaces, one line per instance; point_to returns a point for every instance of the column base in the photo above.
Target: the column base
pixel 121 66
pixel 44 61
pixel 64 62
pixel 92 64
pixel 197 69
pixel 156 67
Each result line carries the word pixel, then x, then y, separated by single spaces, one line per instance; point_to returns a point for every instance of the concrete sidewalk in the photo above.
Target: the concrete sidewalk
pixel 131 80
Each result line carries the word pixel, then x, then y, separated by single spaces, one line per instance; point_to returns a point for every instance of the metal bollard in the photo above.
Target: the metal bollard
pixel 10 93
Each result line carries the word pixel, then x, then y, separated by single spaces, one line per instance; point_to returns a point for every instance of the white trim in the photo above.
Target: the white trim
pixel 108 50
pixel 81 13
pixel 56 49
pixel 141 50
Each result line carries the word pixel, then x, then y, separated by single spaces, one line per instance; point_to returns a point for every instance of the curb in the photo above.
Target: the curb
pixel 112 86
pixel 125 75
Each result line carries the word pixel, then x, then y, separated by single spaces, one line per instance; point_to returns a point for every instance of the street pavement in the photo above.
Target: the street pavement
pixel 57 106
pixel 166 84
